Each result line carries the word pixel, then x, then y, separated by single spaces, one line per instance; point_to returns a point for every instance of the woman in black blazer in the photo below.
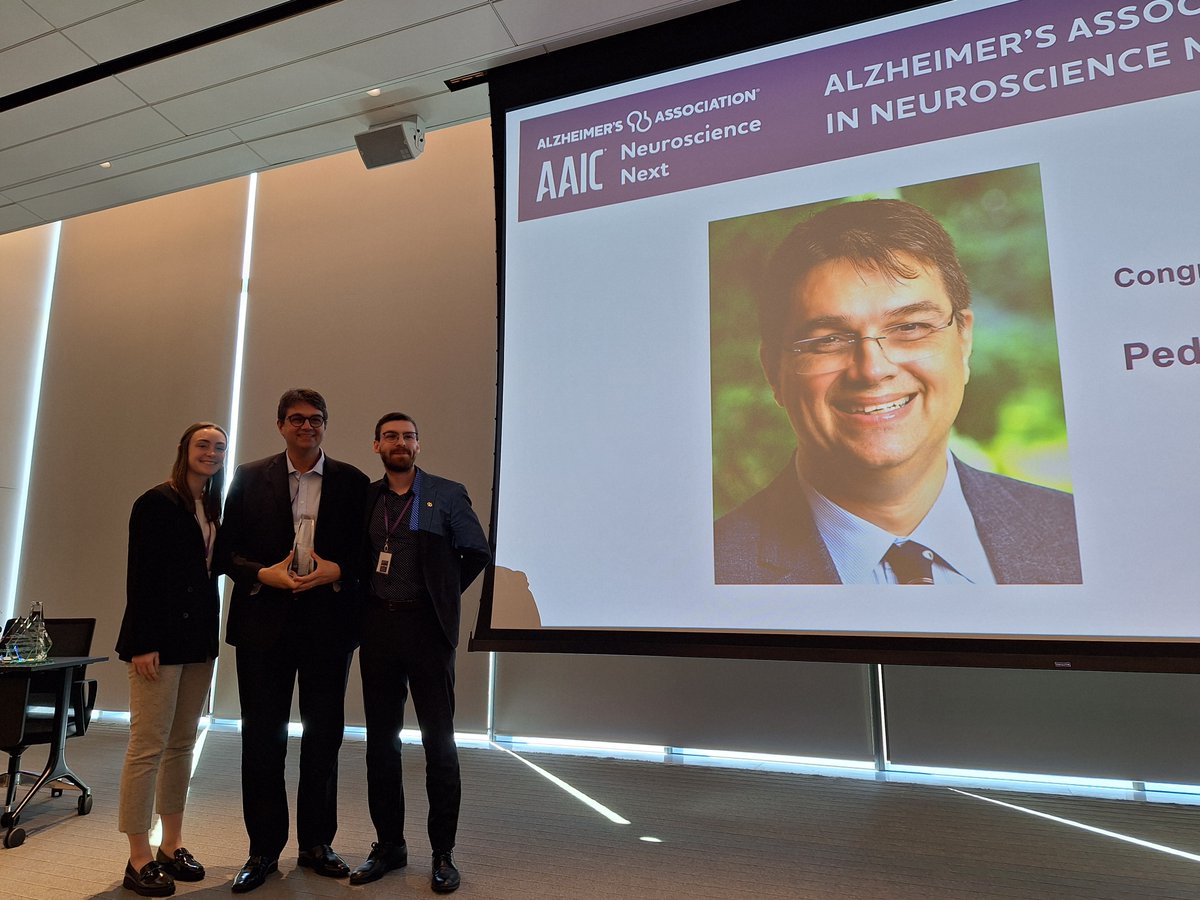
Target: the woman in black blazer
pixel 169 639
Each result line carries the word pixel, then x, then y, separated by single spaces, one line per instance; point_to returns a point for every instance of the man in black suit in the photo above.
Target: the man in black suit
pixel 424 545
pixel 291 542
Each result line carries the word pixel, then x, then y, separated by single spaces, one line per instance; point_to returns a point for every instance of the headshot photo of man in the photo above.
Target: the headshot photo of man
pixel 865 338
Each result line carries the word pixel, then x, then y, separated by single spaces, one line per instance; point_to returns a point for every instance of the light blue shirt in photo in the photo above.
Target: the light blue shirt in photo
pixel 948 529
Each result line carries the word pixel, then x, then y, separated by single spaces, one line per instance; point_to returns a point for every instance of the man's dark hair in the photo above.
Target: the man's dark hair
pixel 870 234
pixel 301 395
pixel 393 416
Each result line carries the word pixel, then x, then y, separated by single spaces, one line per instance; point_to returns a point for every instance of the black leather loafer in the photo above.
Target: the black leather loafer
pixel 384 857
pixel 445 876
pixel 254 873
pixel 324 861
pixel 181 865
pixel 149 881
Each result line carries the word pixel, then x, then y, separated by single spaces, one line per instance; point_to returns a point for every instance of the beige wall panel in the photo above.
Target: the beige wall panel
pixel 140 345
pixel 377 288
pixel 25 261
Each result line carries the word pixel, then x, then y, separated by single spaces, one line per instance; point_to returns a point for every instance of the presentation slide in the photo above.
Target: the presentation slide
pixel 892 330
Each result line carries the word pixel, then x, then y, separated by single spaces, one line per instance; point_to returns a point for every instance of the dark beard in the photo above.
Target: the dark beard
pixel 400 468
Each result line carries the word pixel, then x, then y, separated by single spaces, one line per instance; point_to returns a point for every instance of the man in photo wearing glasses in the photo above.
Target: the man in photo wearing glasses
pixel 290 542
pixel 866 335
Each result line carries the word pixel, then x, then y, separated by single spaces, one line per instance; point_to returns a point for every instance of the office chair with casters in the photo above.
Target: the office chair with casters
pixel 29 715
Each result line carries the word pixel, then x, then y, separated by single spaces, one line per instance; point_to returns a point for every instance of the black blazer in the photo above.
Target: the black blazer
pixel 451 541
pixel 257 532
pixel 170 599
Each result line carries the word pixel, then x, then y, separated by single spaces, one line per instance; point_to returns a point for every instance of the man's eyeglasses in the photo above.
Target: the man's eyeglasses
pixel 297 421
pixel 907 342
pixel 395 437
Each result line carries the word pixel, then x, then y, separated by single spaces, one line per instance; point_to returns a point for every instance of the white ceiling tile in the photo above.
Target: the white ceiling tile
pixel 538 20
pixel 41 59
pixel 89 103
pixel 623 25
pixel 134 162
pixel 330 137
pixel 14 217
pixel 85 145
pixel 289 91
pixel 19 23
pixel 304 36
pixel 382 60
pixel 306 143
pixel 370 110
pixel 358 106
pixel 67 12
pixel 176 176
pixel 151 22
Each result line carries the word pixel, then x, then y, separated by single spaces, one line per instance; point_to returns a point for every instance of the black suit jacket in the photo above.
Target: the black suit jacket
pixel 450 539
pixel 258 532
pixel 1028 533
pixel 171 601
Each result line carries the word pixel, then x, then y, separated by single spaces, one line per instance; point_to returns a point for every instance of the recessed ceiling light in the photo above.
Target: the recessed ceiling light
pixel 374 92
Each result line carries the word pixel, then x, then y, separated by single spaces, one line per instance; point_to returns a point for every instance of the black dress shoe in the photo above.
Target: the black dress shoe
pixel 445 877
pixel 254 873
pixel 149 881
pixel 384 857
pixel 181 866
pixel 324 861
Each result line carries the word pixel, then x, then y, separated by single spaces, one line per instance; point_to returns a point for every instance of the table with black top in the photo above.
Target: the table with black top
pixel 15 681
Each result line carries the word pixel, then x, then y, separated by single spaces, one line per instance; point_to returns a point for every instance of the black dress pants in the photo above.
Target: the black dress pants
pixel 266 678
pixel 404 650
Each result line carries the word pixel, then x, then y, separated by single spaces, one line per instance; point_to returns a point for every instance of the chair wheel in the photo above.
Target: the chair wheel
pixel 55 792
pixel 14 837
pixel 85 804
pixel 8 820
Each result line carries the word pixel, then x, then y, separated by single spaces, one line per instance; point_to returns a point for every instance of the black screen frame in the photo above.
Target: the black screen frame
pixel 711 34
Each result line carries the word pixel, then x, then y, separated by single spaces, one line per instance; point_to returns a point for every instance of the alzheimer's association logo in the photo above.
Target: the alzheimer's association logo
pixel 639 121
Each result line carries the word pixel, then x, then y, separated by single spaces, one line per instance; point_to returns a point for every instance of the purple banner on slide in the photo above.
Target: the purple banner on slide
pixel 1009 65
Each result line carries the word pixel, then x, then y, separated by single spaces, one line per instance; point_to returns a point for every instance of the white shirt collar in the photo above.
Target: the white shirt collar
pixel 319 468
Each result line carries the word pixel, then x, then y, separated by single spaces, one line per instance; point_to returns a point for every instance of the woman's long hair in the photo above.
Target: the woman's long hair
pixel 213 487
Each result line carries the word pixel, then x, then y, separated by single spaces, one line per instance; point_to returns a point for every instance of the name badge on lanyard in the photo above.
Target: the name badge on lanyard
pixel 384 563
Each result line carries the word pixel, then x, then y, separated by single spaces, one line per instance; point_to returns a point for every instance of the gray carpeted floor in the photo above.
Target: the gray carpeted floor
pixel 719 833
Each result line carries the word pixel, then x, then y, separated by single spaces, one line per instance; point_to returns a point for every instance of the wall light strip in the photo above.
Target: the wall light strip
pixel 574 792
pixel 35 398
pixel 1162 848
pixel 239 352
pixel 493 663
pixel 235 390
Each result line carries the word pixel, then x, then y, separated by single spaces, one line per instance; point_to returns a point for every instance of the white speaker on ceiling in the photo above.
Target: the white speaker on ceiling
pixel 392 142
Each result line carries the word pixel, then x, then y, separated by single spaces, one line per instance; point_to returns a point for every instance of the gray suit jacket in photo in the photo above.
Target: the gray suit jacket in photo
pixel 1028 533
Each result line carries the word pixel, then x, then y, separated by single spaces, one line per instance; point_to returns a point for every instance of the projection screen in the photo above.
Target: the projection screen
pixel 715 417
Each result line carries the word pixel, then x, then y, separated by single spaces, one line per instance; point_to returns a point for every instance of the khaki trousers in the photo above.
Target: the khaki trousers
pixel 163 719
